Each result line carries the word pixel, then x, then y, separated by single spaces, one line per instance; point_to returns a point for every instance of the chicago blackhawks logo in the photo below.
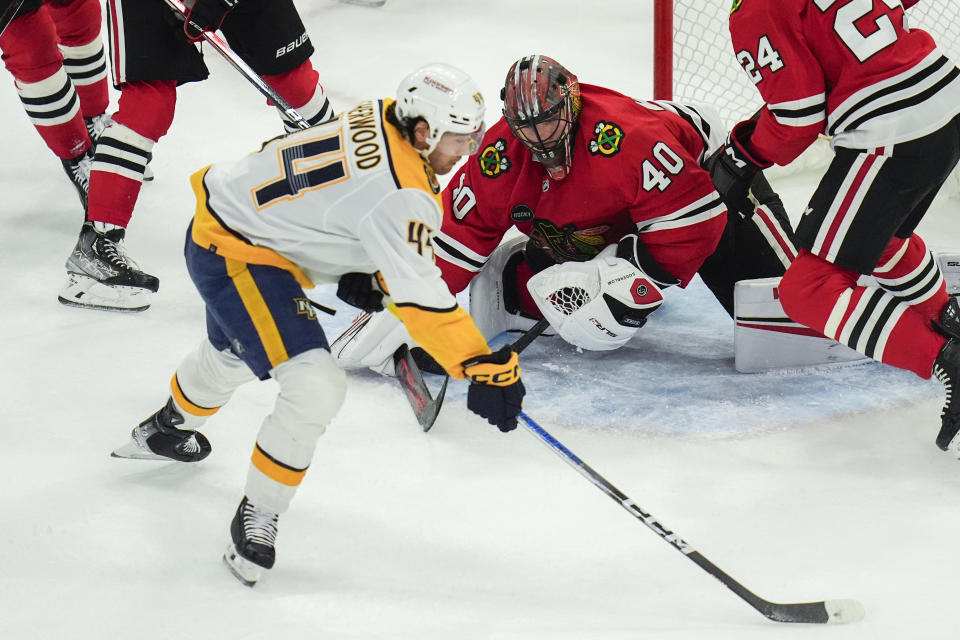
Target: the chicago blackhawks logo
pixel 492 161
pixel 568 242
pixel 607 139
pixel 736 5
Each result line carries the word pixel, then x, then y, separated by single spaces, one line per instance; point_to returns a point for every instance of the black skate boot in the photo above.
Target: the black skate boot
pixel 158 438
pixel 254 532
pixel 946 369
pixel 949 324
pixel 100 274
pixel 78 172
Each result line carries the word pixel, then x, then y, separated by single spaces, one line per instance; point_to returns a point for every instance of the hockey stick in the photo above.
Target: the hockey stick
pixel 237 62
pixel 823 612
pixel 424 405
pixel 7 16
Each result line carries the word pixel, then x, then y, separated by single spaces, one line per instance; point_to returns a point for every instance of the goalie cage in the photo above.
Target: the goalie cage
pixel 694 62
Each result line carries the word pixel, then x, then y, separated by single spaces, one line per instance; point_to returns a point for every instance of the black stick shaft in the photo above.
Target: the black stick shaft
pixel 237 62
pixel 836 611
pixel 7 16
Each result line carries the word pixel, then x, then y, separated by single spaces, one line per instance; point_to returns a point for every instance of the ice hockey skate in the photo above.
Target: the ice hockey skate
pixel 100 274
pixel 254 533
pixel 946 369
pixel 78 172
pixel 158 438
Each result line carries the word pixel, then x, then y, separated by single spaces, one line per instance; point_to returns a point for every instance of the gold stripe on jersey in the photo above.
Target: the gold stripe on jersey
pixel 410 170
pixel 210 233
pixel 449 335
pixel 258 311
pixel 276 470
pixel 184 403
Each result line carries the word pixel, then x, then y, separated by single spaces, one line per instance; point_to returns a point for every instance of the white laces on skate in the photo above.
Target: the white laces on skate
pixel 259 525
pixel 80 171
pixel 97 124
pixel 941 374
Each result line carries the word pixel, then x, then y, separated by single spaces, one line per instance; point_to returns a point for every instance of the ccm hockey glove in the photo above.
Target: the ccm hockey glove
pixel 360 290
pixel 734 169
pixel 206 15
pixel 496 392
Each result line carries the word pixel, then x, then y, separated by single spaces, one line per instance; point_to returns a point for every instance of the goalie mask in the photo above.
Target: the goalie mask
pixel 541 103
pixel 451 103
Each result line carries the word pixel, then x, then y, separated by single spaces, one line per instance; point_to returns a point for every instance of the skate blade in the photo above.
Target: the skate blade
pixel 84 292
pixel 242 569
pixel 133 451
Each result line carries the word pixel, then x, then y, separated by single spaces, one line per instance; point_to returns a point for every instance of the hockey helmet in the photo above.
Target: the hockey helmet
pixel 451 103
pixel 541 103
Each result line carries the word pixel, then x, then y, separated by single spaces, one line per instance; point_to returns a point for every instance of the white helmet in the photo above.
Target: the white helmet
pixel 447 98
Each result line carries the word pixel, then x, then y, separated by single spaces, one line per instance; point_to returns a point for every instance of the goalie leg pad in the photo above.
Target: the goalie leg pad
pixel 370 341
pixel 766 339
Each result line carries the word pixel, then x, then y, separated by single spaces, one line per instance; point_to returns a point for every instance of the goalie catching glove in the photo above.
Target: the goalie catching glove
pixel 496 392
pixel 206 15
pixel 596 305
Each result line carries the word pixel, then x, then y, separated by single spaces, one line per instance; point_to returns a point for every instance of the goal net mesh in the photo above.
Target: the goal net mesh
pixel 705 69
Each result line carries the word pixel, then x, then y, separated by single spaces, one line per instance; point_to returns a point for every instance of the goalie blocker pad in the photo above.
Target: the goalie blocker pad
pixel 765 338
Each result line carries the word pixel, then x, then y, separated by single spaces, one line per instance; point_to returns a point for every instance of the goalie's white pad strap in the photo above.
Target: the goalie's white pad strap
pixel 765 338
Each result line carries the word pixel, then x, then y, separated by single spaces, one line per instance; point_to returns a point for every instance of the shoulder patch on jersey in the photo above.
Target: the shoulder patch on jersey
pixel 736 5
pixel 492 161
pixel 521 213
pixel 607 138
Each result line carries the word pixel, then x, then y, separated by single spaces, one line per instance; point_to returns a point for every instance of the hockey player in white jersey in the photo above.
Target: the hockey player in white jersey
pixel 352 201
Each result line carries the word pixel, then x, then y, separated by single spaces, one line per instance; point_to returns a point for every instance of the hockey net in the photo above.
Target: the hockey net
pixel 702 68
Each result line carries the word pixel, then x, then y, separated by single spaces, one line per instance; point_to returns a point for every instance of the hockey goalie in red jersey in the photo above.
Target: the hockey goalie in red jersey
pixel 889 99
pixel 612 200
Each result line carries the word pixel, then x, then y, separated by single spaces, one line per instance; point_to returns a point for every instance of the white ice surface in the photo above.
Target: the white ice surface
pixel 803 485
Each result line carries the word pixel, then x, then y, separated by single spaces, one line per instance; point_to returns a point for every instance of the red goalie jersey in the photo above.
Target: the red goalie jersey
pixel 850 69
pixel 635 169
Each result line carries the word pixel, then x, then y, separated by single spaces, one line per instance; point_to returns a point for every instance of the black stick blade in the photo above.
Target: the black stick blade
pixel 825 612
pixel 425 406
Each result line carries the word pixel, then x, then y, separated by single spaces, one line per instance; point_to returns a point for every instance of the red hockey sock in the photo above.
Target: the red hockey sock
pixel 124 149
pixel 907 270
pixel 825 297
pixel 30 53
pixel 78 29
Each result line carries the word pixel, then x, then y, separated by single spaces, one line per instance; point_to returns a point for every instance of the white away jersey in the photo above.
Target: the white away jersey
pixel 351 195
